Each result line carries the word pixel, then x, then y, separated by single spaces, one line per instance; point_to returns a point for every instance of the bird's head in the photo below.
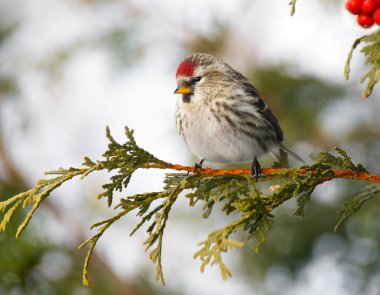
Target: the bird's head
pixel 200 76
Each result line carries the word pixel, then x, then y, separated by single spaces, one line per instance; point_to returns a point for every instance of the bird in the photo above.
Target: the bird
pixel 221 115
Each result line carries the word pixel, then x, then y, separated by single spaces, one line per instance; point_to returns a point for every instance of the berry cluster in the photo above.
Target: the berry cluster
pixel 368 11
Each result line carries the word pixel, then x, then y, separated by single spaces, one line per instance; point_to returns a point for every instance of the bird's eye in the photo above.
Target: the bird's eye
pixel 197 79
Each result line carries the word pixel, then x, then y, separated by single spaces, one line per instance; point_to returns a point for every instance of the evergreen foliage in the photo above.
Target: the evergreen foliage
pixel 239 195
pixel 371 51
pixel 368 192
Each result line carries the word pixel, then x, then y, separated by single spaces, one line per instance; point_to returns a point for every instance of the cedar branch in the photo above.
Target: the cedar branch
pixel 339 173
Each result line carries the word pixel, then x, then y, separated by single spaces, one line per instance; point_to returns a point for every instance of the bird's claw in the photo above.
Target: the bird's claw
pixel 198 165
pixel 255 168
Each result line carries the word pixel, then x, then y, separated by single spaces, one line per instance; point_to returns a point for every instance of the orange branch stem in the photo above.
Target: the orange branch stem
pixel 339 173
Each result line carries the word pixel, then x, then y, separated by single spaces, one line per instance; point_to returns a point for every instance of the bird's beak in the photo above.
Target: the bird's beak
pixel 183 90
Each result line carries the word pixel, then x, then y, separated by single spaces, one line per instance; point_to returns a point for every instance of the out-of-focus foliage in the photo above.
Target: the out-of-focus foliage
pixel 371 51
pixel 119 43
pixel 7 84
pixel 214 44
pixel 31 265
pixel 294 98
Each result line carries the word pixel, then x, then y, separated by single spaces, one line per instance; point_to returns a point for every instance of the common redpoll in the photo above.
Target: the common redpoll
pixel 221 116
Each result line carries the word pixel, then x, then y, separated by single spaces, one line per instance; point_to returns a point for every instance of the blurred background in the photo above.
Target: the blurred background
pixel 69 68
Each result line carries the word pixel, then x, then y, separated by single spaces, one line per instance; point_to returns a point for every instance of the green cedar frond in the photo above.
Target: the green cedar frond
pixel 368 192
pixel 218 242
pixel 238 194
pixel 218 189
pixel 8 215
pixel 93 241
pixel 35 196
pixel 371 51
pixel 259 229
pixel 126 159
pixel 326 160
pixel 302 200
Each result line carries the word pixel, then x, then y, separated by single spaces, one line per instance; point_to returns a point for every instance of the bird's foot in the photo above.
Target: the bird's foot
pixel 255 168
pixel 198 165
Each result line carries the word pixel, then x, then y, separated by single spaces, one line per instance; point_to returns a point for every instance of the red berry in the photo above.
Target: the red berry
pixel 376 16
pixel 368 6
pixel 377 2
pixel 365 20
pixel 354 6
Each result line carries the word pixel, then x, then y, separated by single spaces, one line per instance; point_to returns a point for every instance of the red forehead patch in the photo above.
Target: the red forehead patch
pixel 186 68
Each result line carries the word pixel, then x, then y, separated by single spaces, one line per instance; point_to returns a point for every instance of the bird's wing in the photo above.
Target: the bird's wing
pixel 263 109
pixel 268 115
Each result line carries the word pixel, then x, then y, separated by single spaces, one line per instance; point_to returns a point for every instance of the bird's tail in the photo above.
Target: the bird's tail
pixel 290 152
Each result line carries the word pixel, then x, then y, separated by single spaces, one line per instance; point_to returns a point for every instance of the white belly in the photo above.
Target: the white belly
pixel 214 140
